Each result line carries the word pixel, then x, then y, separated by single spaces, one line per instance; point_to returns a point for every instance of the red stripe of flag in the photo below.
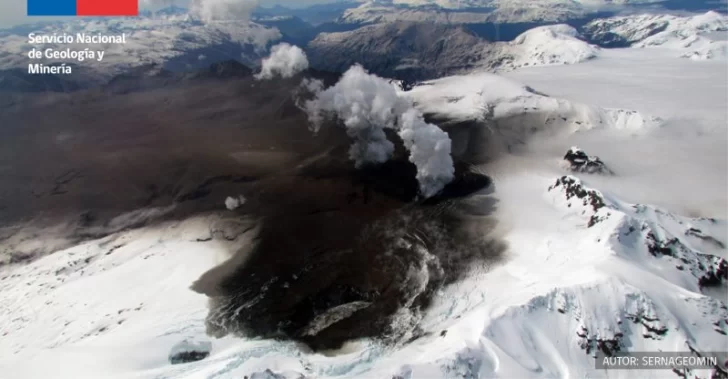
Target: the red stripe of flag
pixel 107 7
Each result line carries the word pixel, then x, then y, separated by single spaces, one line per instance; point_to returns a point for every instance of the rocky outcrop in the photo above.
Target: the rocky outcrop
pixel 189 351
pixel 578 161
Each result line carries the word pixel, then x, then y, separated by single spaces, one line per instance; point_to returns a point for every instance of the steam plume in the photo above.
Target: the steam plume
pixel 367 105
pixel 211 10
pixel 285 60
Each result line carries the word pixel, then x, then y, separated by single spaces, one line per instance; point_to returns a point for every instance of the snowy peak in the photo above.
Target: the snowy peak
pixel 576 160
pixel 709 22
pixel 591 201
pixel 554 44
pixel 668 245
pixel 560 31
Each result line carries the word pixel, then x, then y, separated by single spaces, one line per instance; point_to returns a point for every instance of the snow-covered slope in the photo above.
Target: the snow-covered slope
pixel 124 297
pixel 713 50
pixel 555 44
pixel 702 36
pixel 581 289
pixel 586 273
pixel 472 97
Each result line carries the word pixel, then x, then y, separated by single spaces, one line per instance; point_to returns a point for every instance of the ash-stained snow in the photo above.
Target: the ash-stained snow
pixel 587 269
pixel 567 292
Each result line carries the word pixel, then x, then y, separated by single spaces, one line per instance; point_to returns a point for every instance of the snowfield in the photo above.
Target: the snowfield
pixel 470 97
pixel 594 263
pixel 699 36
pixel 712 50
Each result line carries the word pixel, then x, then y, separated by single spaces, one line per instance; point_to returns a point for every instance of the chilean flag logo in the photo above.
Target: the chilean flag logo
pixel 83 7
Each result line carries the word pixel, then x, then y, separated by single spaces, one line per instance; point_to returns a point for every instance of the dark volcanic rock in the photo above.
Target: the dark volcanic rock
pixel 715 275
pixel 601 32
pixel 579 161
pixel 188 356
pixel 593 343
pixel 187 351
pixel 710 239
pixel 573 188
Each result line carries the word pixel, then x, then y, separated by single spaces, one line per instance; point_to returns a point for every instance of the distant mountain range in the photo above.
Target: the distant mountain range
pixel 415 51
pixel 696 37
pixel 411 40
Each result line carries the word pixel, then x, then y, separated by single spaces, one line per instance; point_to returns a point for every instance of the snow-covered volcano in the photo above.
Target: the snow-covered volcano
pixel 591 265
